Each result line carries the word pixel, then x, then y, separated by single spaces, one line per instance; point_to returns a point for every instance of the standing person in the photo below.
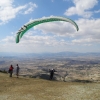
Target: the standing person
pixel 51 73
pixel 17 70
pixel 11 70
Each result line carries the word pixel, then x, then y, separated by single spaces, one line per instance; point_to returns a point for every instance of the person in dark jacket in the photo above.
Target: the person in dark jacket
pixel 51 73
pixel 11 70
pixel 17 70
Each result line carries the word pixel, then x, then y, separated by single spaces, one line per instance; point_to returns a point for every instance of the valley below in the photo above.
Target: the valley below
pixel 76 78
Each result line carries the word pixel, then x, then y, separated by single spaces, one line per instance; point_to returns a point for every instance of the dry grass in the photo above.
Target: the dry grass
pixel 39 89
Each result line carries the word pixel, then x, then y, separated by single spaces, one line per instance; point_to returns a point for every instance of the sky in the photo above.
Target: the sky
pixel 52 36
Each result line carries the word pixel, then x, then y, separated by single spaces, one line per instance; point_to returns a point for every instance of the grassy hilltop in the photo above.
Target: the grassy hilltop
pixel 38 89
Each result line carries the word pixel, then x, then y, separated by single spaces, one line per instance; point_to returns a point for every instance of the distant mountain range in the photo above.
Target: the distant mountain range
pixel 60 54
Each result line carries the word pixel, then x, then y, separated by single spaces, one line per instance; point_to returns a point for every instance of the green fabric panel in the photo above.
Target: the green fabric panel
pixel 39 21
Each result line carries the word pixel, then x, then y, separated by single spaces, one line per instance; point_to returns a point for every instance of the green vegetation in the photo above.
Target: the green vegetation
pixel 3 71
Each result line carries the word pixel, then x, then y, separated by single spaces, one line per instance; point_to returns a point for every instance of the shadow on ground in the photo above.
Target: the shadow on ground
pixel 44 76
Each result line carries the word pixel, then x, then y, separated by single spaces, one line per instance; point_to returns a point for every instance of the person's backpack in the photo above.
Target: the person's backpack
pixel 11 68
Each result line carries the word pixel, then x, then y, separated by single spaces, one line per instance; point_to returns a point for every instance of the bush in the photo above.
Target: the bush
pixel 4 71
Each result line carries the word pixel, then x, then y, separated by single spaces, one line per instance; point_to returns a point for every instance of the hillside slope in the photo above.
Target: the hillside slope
pixel 39 89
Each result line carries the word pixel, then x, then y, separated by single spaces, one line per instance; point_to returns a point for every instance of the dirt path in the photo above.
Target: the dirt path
pixel 38 89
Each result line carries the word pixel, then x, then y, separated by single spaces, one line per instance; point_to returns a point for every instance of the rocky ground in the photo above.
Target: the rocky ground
pixel 24 88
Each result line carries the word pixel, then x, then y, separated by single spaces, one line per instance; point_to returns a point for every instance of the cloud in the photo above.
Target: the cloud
pixel 30 7
pixel 54 32
pixel 51 36
pixel 89 30
pixel 81 8
pixel 42 40
pixel 8 39
pixel 56 28
pixel 52 0
pixel 8 11
pixel 86 41
pixel 98 11
pixel 31 43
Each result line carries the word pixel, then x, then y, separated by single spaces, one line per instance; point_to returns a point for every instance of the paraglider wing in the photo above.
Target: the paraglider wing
pixel 33 23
